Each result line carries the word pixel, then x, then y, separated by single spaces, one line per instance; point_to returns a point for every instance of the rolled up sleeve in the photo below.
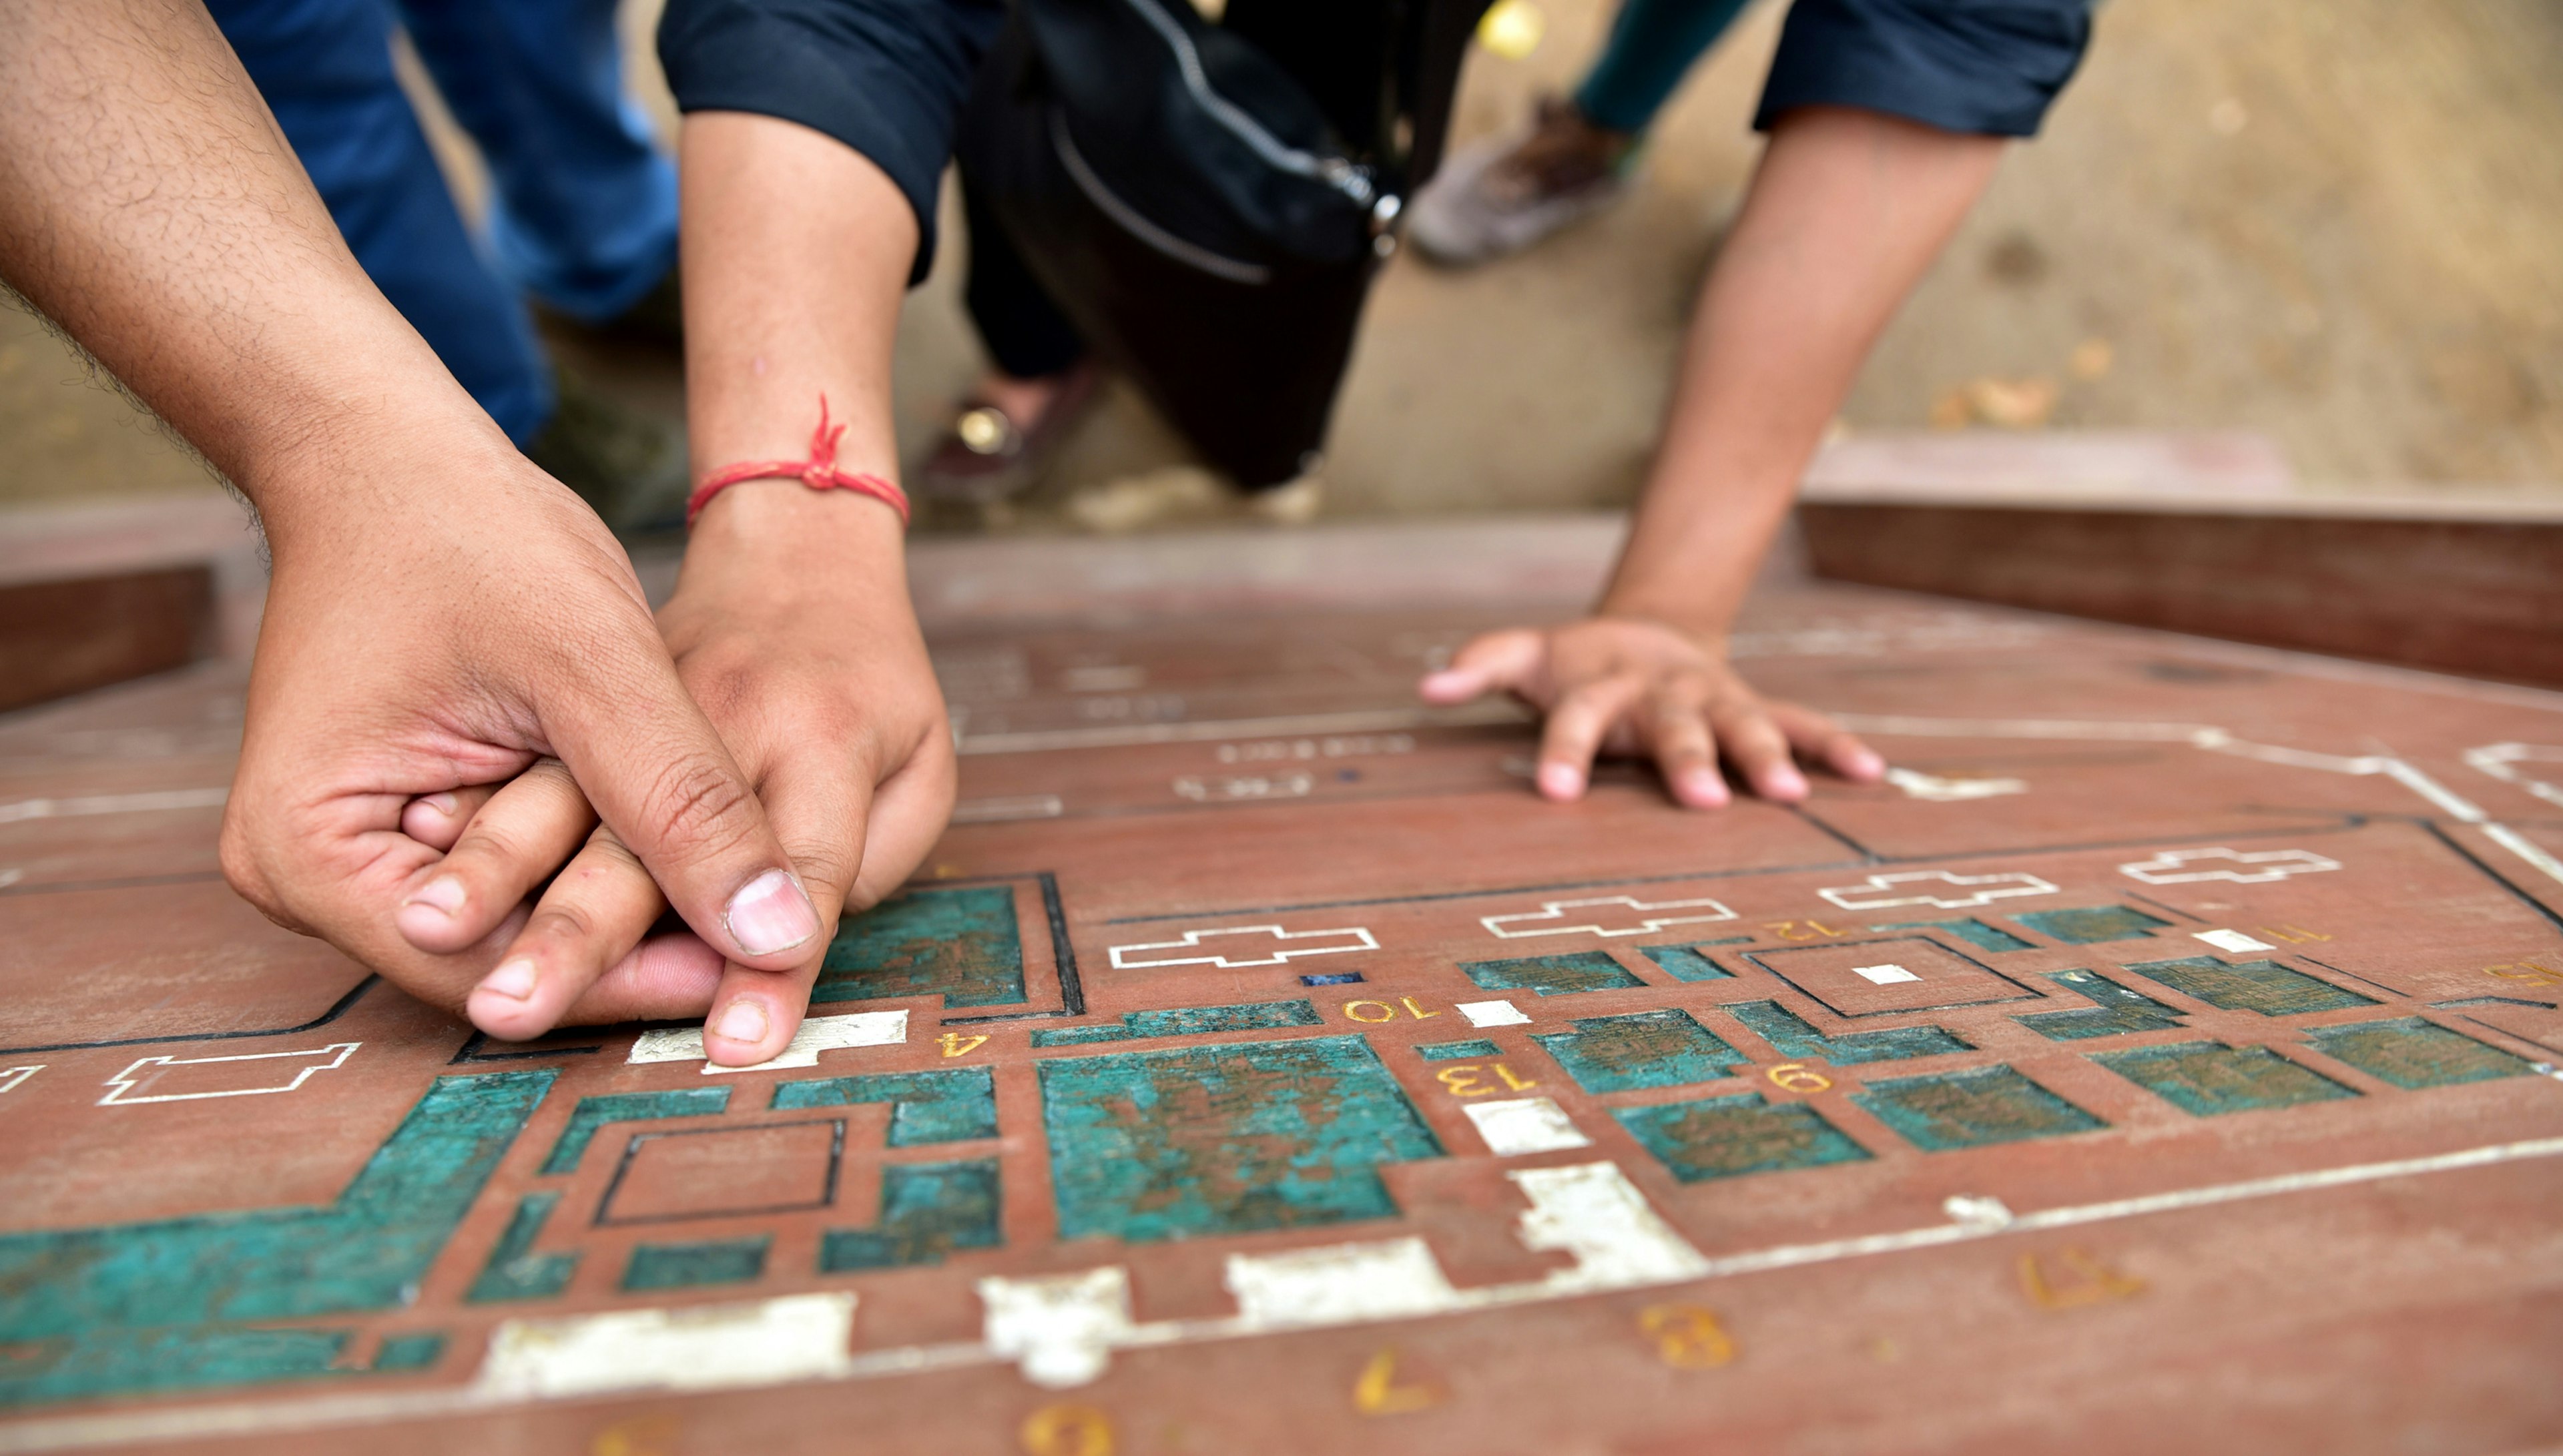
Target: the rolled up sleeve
pixel 1989 68
pixel 884 76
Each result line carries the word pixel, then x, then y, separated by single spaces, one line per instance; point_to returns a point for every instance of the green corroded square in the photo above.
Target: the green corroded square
pixel 929 1210
pixel 685 1265
pixel 1791 1037
pixel 2095 925
pixel 1193 1020
pixel 1216 1140
pixel 2205 1078
pixel 1554 975
pixel 1457 1050
pixel 1724 1137
pixel 2265 986
pixel 2414 1053
pixel 959 944
pixel 1686 963
pixel 1663 1048
pixel 514 1270
pixel 1972 1109
pixel 407 1351
pixel 926 1107
pixel 1080 1035
pixel 2115 1011
pixel 1983 935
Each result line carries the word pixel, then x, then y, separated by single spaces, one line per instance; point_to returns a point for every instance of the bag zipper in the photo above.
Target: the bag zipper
pixel 1335 172
pixel 1112 206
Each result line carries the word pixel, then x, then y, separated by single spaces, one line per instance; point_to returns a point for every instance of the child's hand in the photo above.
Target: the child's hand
pixel 791 627
pixel 1634 685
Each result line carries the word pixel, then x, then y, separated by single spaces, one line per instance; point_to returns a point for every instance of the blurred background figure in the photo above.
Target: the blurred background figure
pixel 1578 153
pixel 581 216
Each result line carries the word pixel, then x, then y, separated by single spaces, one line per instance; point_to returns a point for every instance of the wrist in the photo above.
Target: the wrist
pixel 779 533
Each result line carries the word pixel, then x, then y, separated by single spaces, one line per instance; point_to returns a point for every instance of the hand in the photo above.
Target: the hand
pixel 791 627
pixel 444 632
pixel 1631 685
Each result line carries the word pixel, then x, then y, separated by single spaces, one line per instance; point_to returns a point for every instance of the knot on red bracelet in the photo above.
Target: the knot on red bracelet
pixel 818 473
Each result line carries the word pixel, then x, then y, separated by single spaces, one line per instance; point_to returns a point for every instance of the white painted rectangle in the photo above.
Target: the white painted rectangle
pixel 817 1035
pixel 1340 1283
pixel 800 1337
pixel 1493 1013
pixel 1888 975
pixel 1525 1125
pixel 2232 940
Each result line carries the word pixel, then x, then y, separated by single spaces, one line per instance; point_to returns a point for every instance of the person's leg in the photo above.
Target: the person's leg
pixel 1026 334
pixel 583 212
pixel 1025 403
pixel 1653 46
pixel 325 68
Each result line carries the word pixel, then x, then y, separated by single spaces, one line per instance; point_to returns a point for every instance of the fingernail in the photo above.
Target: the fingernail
pixel 1785 783
pixel 772 914
pixel 444 803
pixel 443 894
pixel 513 980
pixel 1560 781
pixel 1706 786
pixel 1865 765
pixel 744 1021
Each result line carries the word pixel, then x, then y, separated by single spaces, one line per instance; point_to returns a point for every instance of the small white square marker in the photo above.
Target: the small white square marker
pixel 1493 1013
pixel 2232 940
pixel 1525 1125
pixel 1887 974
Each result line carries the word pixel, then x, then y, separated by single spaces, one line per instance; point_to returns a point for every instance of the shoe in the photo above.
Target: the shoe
pixel 1500 197
pixel 987 457
pixel 628 465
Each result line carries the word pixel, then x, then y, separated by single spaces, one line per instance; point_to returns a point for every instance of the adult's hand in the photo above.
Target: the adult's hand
pixel 442 615
pixel 422 649
pixel 1628 685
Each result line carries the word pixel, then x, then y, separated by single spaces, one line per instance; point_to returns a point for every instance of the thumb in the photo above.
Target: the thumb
pixel 1508 660
pixel 659 774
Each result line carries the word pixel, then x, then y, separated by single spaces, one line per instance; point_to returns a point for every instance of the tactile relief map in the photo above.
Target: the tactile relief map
pixel 2165 1054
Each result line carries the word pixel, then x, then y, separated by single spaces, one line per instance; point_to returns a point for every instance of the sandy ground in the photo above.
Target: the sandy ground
pixel 2330 223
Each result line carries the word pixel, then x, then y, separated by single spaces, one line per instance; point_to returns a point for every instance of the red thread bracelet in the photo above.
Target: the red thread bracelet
pixel 818 473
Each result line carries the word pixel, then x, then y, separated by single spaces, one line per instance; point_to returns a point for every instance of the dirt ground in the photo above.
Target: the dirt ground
pixel 2333 224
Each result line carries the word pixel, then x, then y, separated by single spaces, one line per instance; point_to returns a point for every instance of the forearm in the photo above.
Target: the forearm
pixel 1844 213
pixel 151 207
pixel 796 253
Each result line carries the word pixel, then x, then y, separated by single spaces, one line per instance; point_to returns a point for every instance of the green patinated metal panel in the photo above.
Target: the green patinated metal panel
pixel 1554 975
pixel 1686 963
pixel 2414 1053
pixel 1972 1109
pixel 1216 1140
pixel 2206 1078
pixel 929 1210
pixel 156 1306
pixel 1457 1050
pixel 407 1351
pixel 1186 1022
pixel 1726 1136
pixel 2117 1010
pixel 514 1270
pixel 685 1265
pixel 2265 986
pixel 2096 925
pixel 1983 935
pixel 593 1112
pixel 961 945
pixel 926 1107
pixel 1790 1036
pixel 1663 1048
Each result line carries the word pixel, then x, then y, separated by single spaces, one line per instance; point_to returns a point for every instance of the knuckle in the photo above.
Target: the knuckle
pixel 698 803
pixel 565 919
